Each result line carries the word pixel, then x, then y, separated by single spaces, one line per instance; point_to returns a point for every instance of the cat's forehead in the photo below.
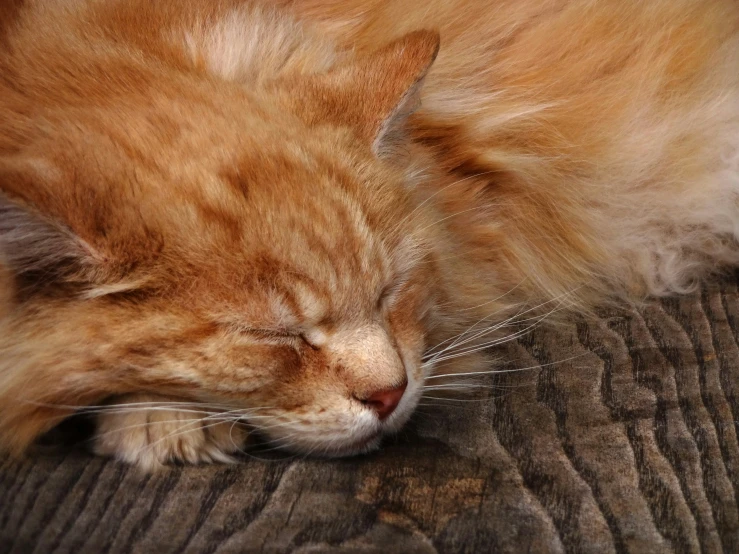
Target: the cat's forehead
pixel 314 242
pixel 315 257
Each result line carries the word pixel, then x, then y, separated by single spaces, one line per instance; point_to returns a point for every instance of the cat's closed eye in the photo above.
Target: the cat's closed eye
pixel 277 334
pixel 305 336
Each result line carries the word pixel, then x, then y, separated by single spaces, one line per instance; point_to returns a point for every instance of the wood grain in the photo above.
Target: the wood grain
pixel 621 438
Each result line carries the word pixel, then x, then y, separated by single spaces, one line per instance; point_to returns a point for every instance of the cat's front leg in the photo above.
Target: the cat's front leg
pixel 151 431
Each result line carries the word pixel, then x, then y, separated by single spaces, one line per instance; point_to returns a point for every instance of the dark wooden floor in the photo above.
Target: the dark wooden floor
pixel 627 444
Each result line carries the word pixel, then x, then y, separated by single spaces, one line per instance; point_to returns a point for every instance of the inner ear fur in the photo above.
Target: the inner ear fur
pixel 37 250
pixel 373 94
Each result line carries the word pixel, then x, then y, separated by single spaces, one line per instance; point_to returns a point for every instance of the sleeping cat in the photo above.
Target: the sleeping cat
pixel 221 216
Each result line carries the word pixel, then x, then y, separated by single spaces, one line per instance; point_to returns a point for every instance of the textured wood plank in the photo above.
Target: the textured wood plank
pixel 621 438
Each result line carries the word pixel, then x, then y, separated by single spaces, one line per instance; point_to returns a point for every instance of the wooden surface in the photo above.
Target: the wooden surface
pixel 629 445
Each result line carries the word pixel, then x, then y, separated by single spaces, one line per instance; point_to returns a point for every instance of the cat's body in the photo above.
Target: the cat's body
pixel 232 203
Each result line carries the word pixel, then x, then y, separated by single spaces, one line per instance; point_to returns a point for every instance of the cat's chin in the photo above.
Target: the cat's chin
pixel 368 444
pixel 355 448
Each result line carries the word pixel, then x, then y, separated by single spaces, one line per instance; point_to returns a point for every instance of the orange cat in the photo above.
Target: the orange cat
pixel 218 216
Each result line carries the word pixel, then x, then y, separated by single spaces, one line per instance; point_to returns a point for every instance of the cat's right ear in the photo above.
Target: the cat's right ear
pixel 37 250
pixel 373 94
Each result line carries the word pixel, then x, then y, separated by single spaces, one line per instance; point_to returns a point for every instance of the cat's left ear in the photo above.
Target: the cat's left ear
pixel 374 94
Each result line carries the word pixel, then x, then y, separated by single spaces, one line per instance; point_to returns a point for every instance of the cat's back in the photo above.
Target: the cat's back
pixel 549 69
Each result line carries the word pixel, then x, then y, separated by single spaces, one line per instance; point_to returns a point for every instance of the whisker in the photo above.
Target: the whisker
pixel 459 386
pixel 495 299
pixel 476 348
pixel 431 351
pixel 499 371
pixel 114 405
pixel 461 336
pixel 417 208
pixel 138 425
pixel 164 406
pixel 179 432
pixel 478 207
pixel 487 398
pixel 500 324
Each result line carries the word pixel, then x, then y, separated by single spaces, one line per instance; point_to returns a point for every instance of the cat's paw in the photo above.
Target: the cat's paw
pixel 142 430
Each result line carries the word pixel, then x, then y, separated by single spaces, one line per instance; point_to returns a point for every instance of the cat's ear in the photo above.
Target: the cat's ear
pixel 39 251
pixel 374 93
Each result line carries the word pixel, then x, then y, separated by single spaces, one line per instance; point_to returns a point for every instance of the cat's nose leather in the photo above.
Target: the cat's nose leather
pixel 384 402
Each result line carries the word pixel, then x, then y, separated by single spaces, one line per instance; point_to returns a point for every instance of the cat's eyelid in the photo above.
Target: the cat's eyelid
pixel 314 338
pixel 275 332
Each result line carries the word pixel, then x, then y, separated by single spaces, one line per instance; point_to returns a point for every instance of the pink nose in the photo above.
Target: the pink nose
pixel 384 402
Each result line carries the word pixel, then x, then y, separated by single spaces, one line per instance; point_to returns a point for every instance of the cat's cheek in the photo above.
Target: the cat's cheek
pixel 410 329
pixel 410 347
pixel 408 332
pixel 410 339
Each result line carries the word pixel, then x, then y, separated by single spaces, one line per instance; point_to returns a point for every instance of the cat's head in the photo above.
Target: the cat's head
pixel 253 249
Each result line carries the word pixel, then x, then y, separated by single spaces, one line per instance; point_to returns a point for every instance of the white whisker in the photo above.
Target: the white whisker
pixel 439 356
pixel 496 342
pixel 500 371
pixel 417 208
